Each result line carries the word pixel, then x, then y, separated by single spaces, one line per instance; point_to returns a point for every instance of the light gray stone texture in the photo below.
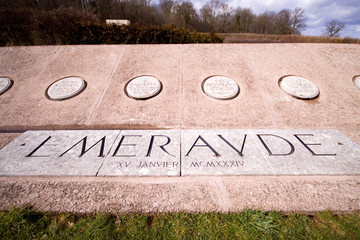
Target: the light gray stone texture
pixel 56 153
pixel 66 88
pixel 144 153
pixel 5 83
pixel 222 159
pixel 268 152
pixel 299 87
pixel 143 87
pixel 180 153
pixel 123 195
pixel 220 87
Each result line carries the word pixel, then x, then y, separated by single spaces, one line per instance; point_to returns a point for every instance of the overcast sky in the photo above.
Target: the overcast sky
pixel 319 12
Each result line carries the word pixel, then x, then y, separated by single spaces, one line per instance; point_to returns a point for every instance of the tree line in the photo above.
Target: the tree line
pixel 212 16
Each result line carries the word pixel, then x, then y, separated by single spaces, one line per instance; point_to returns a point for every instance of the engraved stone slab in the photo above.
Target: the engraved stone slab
pixel 143 87
pixel 5 84
pixel 299 87
pixel 268 152
pixel 56 153
pixel 356 80
pixel 65 88
pixel 180 152
pixel 92 153
pixel 220 87
pixel 144 153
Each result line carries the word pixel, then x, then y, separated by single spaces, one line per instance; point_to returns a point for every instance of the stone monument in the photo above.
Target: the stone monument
pixel 299 87
pixel 66 88
pixel 220 87
pixel 143 87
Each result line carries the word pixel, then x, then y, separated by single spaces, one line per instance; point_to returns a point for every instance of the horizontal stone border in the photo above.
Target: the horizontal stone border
pixel 180 153
pixel 121 195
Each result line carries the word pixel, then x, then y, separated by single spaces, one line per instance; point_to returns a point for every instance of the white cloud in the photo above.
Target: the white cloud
pixel 319 12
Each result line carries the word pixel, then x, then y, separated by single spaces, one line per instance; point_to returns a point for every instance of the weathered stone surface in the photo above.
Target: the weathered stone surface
pixel 268 152
pixel 143 87
pixel 299 87
pixel 182 103
pixel 56 153
pixel 221 152
pixel 121 195
pixel 144 153
pixel 107 153
pixel 166 153
pixel 220 87
pixel 5 84
pixel 66 88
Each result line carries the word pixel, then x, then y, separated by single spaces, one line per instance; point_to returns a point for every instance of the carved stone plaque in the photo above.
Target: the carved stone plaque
pixel 5 84
pixel 143 87
pixel 180 153
pixel 220 87
pixel 299 87
pixel 66 88
pixel 356 80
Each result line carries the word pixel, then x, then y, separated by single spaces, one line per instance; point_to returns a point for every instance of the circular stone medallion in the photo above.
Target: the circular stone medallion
pixel 299 87
pixel 220 87
pixel 5 84
pixel 356 80
pixel 143 87
pixel 65 88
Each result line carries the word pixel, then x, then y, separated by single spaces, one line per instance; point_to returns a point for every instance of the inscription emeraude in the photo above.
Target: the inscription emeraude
pixel 191 152
pixel 200 142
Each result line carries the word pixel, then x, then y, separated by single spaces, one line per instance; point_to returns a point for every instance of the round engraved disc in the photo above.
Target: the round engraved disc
pixel 356 80
pixel 299 87
pixel 65 88
pixel 220 87
pixel 5 84
pixel 143 87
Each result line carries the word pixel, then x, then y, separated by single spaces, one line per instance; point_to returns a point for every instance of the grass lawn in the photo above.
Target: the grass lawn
pixel 249 224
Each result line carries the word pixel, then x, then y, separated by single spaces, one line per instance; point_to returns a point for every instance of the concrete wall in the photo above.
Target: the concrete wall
pixel 182 104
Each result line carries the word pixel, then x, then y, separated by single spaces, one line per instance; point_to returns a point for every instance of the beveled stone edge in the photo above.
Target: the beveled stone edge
pixel 8 86
pixel 69 97
pixel 278 199
pixel 230 98
pixel 293 75
pixel 145 98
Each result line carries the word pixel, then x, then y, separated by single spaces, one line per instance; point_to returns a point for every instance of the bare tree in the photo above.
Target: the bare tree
pixel 209 13
pixel 283 22
pixel 244 20
pixel 166 7
pixel 333 28
pixel 298 20
pixel 185 14
pixel 265 23
pixel 225 17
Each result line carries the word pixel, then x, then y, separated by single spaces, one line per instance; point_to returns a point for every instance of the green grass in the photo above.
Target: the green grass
pixel 249 224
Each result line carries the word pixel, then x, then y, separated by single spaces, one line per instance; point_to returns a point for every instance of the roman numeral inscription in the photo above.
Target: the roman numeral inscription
pixel 180 153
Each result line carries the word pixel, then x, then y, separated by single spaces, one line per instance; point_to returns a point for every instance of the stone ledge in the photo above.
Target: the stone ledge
pixel 120 195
